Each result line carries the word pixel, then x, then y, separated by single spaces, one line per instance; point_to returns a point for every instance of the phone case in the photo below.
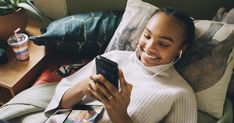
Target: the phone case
pixel 108 68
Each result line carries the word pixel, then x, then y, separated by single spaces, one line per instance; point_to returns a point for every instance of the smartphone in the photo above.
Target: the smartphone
pixel 84 114
pixel 108 68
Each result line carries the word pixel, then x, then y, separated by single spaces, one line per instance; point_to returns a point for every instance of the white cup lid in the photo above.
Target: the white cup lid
pixel 12 41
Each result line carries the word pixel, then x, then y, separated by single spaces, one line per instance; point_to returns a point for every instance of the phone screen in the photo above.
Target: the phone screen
pixel 108 68
pixel 84 114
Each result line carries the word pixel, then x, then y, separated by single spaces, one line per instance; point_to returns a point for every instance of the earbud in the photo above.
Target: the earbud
pixel 181 52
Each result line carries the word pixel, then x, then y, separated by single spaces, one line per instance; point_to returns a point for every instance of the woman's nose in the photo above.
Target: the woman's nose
pixel 150 44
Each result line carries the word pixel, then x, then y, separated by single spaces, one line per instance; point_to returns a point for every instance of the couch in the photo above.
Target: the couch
pixel 194 8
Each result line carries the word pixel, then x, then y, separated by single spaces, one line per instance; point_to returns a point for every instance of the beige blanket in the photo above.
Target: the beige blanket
pixel 31 101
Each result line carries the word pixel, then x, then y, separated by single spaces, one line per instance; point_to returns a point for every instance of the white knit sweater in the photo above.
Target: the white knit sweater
pixel 166 97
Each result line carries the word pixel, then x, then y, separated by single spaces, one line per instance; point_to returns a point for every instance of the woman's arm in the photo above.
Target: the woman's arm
pixel 71 89
pixel 75 94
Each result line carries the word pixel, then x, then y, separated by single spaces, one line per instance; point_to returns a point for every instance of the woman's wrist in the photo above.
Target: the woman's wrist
pixel 124 119
pixel 71 97
pixel 79 93
pixel 127 119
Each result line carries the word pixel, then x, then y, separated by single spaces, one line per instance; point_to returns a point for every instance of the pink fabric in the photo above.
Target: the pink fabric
pixel 49 74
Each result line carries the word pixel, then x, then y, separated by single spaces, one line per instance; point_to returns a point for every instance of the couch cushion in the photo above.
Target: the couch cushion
pixel 208 64
pixel 83 35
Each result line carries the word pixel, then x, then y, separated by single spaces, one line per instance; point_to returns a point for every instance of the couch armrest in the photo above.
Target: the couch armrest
pixel 227 115
pixel 228 112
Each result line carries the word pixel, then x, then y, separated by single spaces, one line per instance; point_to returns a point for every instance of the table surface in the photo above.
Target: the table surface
pixel 14 70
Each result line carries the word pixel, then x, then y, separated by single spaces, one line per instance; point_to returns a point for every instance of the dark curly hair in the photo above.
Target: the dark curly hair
pixel 186 21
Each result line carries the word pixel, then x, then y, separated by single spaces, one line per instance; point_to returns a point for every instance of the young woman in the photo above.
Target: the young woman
pixel 151 90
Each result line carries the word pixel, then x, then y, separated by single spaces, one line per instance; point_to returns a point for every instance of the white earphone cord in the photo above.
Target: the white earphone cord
pixel 170 64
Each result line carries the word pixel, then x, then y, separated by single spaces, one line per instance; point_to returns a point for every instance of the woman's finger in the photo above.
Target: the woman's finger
pixel 105 92
pixel 93 85
pixel 94 78
pixel 110 87
pixel 101 98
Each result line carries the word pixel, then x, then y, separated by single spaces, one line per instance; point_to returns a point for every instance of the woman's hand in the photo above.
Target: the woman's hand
pixel 75 94
pixel 115 102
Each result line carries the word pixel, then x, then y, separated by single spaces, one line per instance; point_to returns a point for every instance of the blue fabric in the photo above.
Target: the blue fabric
pixel 3 56
pixel 83 35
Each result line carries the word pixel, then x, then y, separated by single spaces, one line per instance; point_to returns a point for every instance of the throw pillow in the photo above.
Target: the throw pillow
pixel 228 17
pixel 212 52
pixel 208 65
pixel 136 15
pixel 83 35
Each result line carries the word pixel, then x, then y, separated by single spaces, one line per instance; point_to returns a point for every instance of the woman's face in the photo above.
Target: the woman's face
pixel 161 41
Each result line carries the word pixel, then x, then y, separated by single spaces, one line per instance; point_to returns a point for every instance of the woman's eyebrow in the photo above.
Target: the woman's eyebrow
pixel 148 30
pixel 163 37
pixel 167 38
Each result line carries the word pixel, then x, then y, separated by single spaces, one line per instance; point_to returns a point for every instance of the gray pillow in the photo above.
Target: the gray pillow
pixel 207 58
pixel 208 64
pixel 224 15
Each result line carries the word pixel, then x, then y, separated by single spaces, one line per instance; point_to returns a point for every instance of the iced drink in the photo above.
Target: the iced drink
pixel 19 45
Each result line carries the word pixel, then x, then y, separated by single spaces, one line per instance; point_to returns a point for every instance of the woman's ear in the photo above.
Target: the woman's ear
pixel 184 47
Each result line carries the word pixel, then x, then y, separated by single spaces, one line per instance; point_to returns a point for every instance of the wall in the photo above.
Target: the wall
pixel 53 8
pixel 199 9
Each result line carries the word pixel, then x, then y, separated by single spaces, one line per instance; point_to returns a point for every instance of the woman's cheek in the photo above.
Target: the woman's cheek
pixel 141 43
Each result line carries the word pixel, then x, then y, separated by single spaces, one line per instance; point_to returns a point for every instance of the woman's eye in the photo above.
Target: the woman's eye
pixel 164 45
pixel 147 36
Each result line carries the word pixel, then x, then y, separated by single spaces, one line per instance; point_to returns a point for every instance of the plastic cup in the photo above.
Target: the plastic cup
pixel 19 46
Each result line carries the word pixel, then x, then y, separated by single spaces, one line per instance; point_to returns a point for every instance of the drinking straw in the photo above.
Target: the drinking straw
pixel 16 35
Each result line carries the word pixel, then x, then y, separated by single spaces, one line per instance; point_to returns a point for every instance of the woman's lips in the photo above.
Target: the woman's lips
pixel 149 55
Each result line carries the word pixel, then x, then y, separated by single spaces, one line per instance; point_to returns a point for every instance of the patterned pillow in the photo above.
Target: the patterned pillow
pixel 136 15
pixel 83 35
pixel 228 17
pixel 207 65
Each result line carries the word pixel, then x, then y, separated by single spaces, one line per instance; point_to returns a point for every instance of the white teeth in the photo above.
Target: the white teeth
pixel 152 57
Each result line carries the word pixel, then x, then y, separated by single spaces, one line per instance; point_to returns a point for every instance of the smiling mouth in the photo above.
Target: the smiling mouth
pixel 150 56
